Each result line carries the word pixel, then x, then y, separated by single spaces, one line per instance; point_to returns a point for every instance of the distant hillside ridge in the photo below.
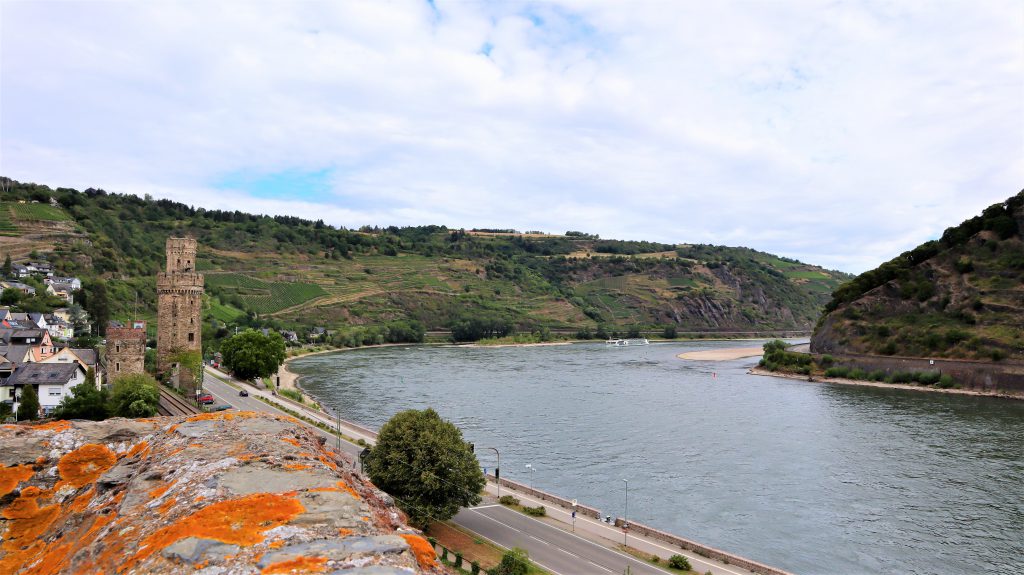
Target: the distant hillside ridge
pixel 291 273
pixel 961 296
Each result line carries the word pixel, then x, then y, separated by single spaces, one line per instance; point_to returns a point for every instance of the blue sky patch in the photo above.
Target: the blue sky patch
pixel 287 184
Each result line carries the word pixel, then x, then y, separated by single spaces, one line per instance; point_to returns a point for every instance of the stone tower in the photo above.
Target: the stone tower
pixel 126 350
pixel 179 294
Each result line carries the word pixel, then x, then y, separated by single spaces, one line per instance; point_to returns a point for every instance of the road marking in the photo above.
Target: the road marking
pixel 483 506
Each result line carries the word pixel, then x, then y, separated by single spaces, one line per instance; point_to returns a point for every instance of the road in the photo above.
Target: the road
pixel 557 550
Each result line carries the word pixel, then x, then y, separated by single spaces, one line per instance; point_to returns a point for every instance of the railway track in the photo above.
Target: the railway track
pixel 173 404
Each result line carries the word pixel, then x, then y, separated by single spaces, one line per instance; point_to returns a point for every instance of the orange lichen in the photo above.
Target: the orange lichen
pixel 276 544
pixel 53 426
pixel 295 466
pixel 423 551
pixel 140 447
pixel 328 463
pixel 157 492
pixel 224 415
pixel 290 440
pixel 343 532
pixel 26 523
pixel 10 477
pixel 82 501
pixel 166 506
pixel 297 565
pixel 85 464
pixel 236 521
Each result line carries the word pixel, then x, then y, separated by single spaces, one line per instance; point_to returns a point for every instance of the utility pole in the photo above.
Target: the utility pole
pixel 497 470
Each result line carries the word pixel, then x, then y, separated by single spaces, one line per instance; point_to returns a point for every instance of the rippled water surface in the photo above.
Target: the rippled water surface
pixel 808 477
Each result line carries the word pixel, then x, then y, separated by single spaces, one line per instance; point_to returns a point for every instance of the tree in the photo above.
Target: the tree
pixel 424 463
pixel 5 410
pixel 29 406
pixel 10 296
pixel 251 354
pixel 85 401
pixel 97 304
pixel 134 395
pixel 7 266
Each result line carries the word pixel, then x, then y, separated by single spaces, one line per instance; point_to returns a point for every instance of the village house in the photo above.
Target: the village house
pixel 52 382
pixel 73 283
pixel 62 290
pixel 59 328
pixel 87 358
pixel 23 288
pixel 20 271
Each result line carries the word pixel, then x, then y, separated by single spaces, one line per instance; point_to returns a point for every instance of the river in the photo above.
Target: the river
pixel 812 478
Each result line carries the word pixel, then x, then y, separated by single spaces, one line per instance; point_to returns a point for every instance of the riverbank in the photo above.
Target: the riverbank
pixel 862 383
pixel 722 354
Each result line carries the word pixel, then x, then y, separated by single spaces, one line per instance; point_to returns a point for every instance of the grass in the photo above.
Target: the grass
pixel 807 275
pixel 7 227
pixel 265 296
pixel 38 212
pixel 224 312
pixel 653 560
pixel 472 547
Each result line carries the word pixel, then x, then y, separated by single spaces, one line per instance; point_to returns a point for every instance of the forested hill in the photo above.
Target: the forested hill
pixel 959 296
pixel 293 273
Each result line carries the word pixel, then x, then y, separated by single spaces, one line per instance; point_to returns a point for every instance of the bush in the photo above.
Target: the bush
pixel 474 568
pixel 901 377
pixel 458 559
pixel 837 371
pixel 679 562
pixel 508 500
pixel 946 381
pixel 858 373
pixel 826 361
pixel 293 394
pixel 538 511
pixel 928 377
pixel 514 562
pixel 877 375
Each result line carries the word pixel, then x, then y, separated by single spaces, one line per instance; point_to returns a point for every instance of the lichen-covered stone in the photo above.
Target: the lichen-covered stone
pixel 217 494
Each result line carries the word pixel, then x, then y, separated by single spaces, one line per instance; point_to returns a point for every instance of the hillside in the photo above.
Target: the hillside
pixel 294 273
pixel 961 296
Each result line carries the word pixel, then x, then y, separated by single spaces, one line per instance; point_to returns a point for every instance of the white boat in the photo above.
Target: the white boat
pixel 627 342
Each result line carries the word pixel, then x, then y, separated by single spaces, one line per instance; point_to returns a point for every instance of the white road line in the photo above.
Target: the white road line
pixel 687 554
pixel 484 506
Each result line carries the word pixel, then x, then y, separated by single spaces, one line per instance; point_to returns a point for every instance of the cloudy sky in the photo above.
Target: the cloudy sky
pixel 840 133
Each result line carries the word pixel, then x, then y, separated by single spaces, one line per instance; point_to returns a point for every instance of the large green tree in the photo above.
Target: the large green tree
pixel 251 354
pixel 423 462
pixel 85 402
pixel 97 304
pixel 134 395
pixel 29 406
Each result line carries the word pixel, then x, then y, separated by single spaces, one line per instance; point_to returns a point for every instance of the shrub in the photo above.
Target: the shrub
pixel 508 500
pixel 945 381
pixel 888 349
pixel 901 377
pixel 538 511
pixel 827 361
pixel 474 568
pixel 679 562
pixel 514 562
pixel 837 371
pixel 997 355
pixel 458 559
pixel 877 375
pixel 858 373
pixel 928 377
pixel 293 395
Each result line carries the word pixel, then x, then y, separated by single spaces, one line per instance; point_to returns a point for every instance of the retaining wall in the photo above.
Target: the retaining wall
pixel 1004 376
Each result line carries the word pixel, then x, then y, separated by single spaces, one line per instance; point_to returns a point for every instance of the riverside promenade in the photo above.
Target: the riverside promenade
pixel 586 544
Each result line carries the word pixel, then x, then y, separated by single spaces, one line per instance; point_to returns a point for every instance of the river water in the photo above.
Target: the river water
pixel 812 478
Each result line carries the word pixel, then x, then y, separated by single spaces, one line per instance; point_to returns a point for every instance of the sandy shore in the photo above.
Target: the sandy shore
pixel 722 354
pixel 862 383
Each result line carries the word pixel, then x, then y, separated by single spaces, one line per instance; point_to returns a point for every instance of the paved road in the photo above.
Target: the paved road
pixel 558 551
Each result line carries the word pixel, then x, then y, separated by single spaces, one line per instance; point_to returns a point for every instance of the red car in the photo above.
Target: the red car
pixel 206 399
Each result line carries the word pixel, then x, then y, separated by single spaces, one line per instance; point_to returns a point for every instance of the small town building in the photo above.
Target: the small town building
pixel 126 349
pixel 52 383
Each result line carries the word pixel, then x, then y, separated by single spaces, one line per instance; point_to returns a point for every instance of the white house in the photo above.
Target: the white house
pixel 87 358
pixel 51 381
pixel 73 283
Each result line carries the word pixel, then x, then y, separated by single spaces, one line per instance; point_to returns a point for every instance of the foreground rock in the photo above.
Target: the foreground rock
pixel 216 494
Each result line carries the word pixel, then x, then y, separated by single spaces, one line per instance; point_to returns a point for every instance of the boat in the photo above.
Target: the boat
pixel 628 342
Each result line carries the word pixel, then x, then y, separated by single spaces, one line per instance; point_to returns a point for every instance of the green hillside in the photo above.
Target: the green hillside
pixel 959 296
pixel 294 273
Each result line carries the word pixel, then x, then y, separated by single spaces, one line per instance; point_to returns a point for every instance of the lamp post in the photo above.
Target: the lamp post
pixel 530 467
pixel 625 515
pixel 497 470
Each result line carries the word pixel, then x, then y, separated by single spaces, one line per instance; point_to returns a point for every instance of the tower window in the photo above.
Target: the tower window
pixel 191 336
pixel 117 367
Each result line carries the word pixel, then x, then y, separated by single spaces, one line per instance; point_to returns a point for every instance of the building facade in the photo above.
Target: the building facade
pixel 126 349
pixel 179 292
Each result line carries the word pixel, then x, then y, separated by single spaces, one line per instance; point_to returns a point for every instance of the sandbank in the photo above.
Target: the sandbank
pixel 862 383
pixel 722 354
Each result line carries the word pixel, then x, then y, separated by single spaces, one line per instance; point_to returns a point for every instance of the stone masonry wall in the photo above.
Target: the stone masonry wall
pixel 126 351
pixel 179 308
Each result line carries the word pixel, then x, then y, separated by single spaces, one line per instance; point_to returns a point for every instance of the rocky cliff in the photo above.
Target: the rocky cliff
pixel 961 296
pixel 230 492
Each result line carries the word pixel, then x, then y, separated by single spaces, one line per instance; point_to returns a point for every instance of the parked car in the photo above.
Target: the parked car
pixel 206 399
pixel 243 393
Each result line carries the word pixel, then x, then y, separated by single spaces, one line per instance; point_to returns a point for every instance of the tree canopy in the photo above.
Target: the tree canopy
pixel 423 462
pixel 251 354
pixel 85 401
pixel 29 406
pixel 134 395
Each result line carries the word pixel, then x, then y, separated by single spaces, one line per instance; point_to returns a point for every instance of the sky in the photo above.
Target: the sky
pixel 840 133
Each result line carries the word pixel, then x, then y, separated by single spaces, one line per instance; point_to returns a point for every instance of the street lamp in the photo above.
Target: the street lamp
pixel 497 470
pixel 625 515
pixel 530 467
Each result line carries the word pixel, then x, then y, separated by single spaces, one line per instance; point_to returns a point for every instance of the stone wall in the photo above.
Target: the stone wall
pixel 179 309
pixel 125 351
pixel 1002 376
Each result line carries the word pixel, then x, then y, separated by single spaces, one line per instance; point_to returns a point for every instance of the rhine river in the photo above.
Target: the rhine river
pixel 812 478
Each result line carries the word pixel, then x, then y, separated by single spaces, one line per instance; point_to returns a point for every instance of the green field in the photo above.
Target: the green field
pixel 224 312
pixel 263 296
pixel 807 275
pixel 7 227
pixel 38 212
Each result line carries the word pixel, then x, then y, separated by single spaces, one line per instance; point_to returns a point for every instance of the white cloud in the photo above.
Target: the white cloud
pixel 838 133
